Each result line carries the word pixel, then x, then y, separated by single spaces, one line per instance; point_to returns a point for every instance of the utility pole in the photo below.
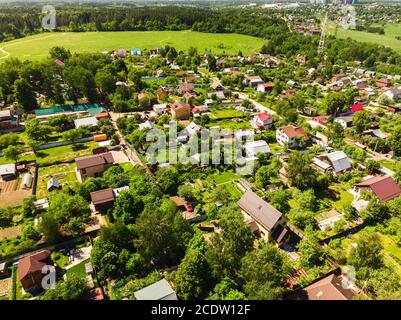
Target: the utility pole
pixel 322 36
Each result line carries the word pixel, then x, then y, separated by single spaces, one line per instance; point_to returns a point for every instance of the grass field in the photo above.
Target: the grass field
pixel 37 46
pixel 387 40
pixel 225 177
pixel 78 270
pixel 65 174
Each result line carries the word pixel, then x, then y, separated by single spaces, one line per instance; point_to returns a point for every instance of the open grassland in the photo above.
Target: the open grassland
pixel 37 46
pixel 387 40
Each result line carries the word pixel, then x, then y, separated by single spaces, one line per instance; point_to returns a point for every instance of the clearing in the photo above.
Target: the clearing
pixel 37 46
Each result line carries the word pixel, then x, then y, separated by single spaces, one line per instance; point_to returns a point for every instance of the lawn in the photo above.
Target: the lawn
pixel 65 174
pixel 224 113
pixel 37 46
pixel 229 124
pixel 388 164
pixel 78 270
pixel 387 40
pixel 58 154
pixel 225 177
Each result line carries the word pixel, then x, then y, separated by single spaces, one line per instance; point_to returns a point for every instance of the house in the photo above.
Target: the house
pixel 146 125
pixel 8 172
pixel 218 94
pixel 252 148
pixel 240 134
pixel 160 108
pixel 262 121
pixel 383 187
pixel 200 109
pixel 102 200
pixel 143 99
pixel 383 83
pixel 321 139
pixel 160 290
pixel 93 166
pixel 252 81
pixel 345 122
pixel 331 287
pixel 357 106
pixel 188 96
pixel 193 128
pixel 393 94
pixel 4 271
pixel 321 119
pixel 30 269
pixel 290 135
pixel 136 51
pixel 263 219
pixel 8 120
pixel 53 184
pixel 185 87
pixel 266 87
pixel 90 122
pixel 336 161
pixel 180 110
pixel 217 86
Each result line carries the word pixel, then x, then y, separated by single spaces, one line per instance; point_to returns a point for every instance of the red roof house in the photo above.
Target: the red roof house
pixel 30 268
pixel 357 107
pixel 384 187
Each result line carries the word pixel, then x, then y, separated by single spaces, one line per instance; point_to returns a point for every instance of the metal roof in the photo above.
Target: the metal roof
pixel 339 161
pixel 160 290
pixel 90 121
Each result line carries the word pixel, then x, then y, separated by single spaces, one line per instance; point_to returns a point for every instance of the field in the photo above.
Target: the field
pixel 387 40
pixel 65 174
pixel 37 46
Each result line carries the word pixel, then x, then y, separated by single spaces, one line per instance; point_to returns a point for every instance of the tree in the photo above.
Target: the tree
pixel 395 140
pixel 306 200
pixel 73 288
pixel 335 102
pixel 167 179
pixel 37 131
pixel 8 139
pixel 50 228
pixel 24 95
pixel 227 289
pixel 375 212
pixel 127 206
pixel 30 233
pixel 279 199
pixel 60 53
pixel 263 271
pixel 105 81
pixel 301 217
pixel 227 248
pixel 372 166
pixel 13 152
pixel 80 83
pixel 335 134
pixel 193 276
pixel 367 253
pixel 362 121
pixel 299 171
pixel 311 253
pixel 187 192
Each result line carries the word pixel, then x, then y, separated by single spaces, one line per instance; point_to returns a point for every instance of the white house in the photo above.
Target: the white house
pixel 266 87
pixel 252 148
pixel 336 161
pixel 90 121
pixel 239 135
pixel 146 125
pixel 289 135
pixel 160 108
pixel 193 129
pixel 393 94
pixel 345 122
pixel 262 121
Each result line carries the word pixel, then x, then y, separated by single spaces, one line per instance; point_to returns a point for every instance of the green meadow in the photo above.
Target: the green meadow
pixel 387 40
pixel 37 46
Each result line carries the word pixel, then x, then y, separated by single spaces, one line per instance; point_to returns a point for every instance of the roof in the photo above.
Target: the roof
pixel 91 108
pixel 357 107
pixel 178 201
pixel 32 263
pixel 160 290
pixel 5 113
pixel 7 169
pixel 263 116
pixel 102 196
pixel 339 161
pixel 90 121
pixel 346 118
pixel 179 105
pixel 53 182
pixel 384 187
pixel 261 211
pixel 186 87
pixel 95 160
pixel 293 132
pixel 268 85
pixel 328 288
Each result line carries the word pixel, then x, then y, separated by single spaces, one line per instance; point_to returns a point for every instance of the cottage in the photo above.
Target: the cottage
pixel 90 122
pixel 254 148
pixel 241 134
pixel 93 166
pixel 383 187
pixel 383 83
pixel 8 120
pixel 217 86
pixel 136 52
pixel 331 287
pixel 345 122
pixel 53 184
pixel 252 81
pixel 290 135
pixel 266 87
pixel 180 111
pixel 102 200
pixel 262 121
pixel 160 290
pixel 218 94
pixel 193 129
pixel 8 172
pixel 30 269
pixel 185 87
pixel 200 109
pixel 393 94
pixel 146 125
pixel 336 161
pixel 265 220
pixel 4 271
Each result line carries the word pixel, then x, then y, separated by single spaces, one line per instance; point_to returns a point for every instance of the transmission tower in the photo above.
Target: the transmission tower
pixel 322 36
